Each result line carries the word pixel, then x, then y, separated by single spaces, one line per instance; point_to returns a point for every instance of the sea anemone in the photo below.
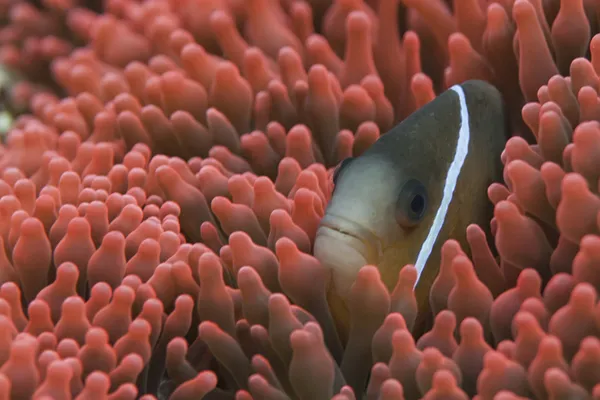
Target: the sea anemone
pixel 166 164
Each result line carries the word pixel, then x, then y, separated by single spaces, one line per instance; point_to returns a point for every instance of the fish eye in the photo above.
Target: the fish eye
pixel 411 205
pixel 336 173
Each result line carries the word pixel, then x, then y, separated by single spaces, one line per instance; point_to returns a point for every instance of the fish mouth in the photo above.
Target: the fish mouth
pixel 347 228
pixel 344 247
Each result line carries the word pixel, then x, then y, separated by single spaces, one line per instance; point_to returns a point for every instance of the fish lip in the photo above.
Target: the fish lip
pixel 339 230
pixel 357 247
pixel 356 232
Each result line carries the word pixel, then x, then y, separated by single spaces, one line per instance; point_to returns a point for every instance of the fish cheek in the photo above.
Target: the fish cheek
pixel 404 252
pixel 401 252
pixel 393 260
pixel 424 316
pixel 340 313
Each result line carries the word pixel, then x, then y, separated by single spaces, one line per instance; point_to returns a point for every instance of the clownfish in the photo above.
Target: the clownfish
pixel 419 184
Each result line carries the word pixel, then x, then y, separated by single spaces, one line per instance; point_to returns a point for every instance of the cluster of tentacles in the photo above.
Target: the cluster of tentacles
pixel 168 163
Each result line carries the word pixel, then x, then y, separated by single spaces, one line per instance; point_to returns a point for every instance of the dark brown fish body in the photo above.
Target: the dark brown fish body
pixel 420 184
